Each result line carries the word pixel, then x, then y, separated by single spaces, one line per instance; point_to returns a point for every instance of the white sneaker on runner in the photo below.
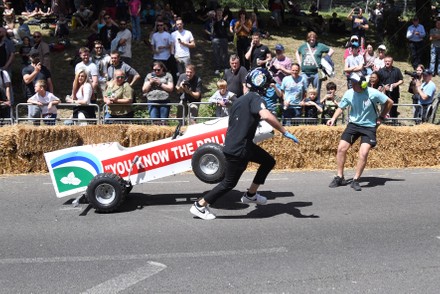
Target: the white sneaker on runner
pixel 202 212
pixel 257 199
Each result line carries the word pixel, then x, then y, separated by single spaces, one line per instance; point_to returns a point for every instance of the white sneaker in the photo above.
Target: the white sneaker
pixel 257 199
pixel 202 212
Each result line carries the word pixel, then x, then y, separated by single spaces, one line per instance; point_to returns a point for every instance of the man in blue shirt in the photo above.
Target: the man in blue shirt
pixel 425 91
pixel 364 120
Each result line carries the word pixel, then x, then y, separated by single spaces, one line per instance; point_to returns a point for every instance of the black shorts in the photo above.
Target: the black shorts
pixel 353 132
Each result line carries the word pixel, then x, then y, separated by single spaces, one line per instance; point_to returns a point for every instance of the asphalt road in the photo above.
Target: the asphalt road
pixel 307 239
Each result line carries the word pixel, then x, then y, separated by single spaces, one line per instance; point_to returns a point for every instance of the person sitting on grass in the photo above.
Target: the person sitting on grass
pixel 222 98
pixel 46 102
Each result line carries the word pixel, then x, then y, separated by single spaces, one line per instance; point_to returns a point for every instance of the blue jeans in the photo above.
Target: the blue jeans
pixel 314 80
pixel 435 60
pixel 136 27
pixel 159 111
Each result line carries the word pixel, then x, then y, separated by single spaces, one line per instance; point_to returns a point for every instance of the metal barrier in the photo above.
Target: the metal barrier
pixel 407 121
pixel 140 119
pixel 199 105
pixel 141 111
pixel 6 120
pixel 294 121
pixel 62 110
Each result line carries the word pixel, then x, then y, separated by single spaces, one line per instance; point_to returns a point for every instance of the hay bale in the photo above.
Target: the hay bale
pixel 138 135
pixel 32 139
pixel 94 134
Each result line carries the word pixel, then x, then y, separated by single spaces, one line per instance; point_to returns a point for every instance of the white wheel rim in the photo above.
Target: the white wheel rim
pixel 209 164
pixel 105 193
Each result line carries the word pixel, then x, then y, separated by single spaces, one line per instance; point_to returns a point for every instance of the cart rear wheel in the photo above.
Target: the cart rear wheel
pixel 208 163
pixel 106 192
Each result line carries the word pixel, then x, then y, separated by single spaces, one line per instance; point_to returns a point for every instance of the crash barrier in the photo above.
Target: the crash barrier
pixel 141 115
pixel 64 115
pixel 22 146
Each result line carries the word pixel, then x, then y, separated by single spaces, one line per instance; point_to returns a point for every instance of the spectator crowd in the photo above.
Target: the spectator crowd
pixel 105 68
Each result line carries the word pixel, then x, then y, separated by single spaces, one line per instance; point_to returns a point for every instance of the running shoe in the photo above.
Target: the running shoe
pixel 202 212
pixel 355 185
pixel 338 181
pixel 257 199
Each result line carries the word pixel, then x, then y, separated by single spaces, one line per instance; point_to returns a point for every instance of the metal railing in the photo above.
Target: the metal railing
pixel 60 119
pixel 141 115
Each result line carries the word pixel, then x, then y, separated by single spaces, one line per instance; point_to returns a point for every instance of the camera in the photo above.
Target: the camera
pixel 356 11
pixel 185 84
pixel 412 74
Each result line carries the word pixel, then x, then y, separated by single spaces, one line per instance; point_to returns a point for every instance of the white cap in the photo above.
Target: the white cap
pixel 354 37
pixel 382 47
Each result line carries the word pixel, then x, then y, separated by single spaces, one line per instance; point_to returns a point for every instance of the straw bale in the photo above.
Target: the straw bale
pixel 7 140
pixel 94 134
pixel 138 135
pixel 22 147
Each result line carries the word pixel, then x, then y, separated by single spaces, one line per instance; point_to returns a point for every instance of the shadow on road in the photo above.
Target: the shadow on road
pixel 274 209
pixel 230 201
pixel 376 181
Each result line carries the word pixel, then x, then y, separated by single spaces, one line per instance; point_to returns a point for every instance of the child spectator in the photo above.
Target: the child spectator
pixel 223 99
pixel 46 102
pixel 329 102
pixel 311 107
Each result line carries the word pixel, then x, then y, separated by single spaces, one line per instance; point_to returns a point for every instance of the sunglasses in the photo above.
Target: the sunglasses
pixel 100 47
pixel 120 77
pixel 160 25
pixel 107 17
pixel 37 36
pixel 157 69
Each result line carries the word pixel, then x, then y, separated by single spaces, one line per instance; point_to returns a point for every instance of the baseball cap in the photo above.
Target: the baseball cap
pixel 427 72
pixel 279 47
pixel 356 78
pixel 382 47
pixel 355 44
pixel 354 37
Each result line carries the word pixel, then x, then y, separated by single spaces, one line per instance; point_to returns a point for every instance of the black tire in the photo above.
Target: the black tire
pixel 208 163
pixel 106 192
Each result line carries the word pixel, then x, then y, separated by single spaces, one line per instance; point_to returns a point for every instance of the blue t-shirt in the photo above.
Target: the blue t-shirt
pixel 363 110
pixel 294 89
pixel 428 89
pixel 272 99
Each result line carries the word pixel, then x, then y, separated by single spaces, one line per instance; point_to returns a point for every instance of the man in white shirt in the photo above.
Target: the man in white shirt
pixel 183 41
pixel 91 68
pixel 161 44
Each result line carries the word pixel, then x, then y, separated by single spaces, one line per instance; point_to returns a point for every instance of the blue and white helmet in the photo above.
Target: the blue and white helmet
pixel 258 80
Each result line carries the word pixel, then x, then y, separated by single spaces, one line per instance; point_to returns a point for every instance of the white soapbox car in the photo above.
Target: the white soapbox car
pixel 107 172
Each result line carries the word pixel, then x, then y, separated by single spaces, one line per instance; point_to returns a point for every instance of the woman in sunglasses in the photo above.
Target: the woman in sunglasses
pixel 157 88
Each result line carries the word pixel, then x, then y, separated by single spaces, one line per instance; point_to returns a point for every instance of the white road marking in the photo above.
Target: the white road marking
pixel 438 237
pixel 124 281
pixel 225 253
